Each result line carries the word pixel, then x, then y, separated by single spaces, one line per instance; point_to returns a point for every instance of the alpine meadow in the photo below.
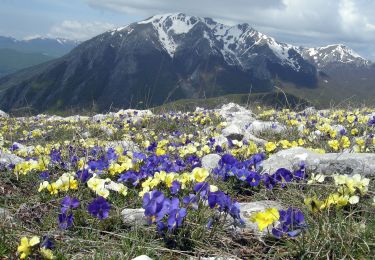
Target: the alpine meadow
pixel 187 130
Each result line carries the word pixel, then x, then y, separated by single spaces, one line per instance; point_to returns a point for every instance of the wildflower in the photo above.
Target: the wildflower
pixel 313 204
pixel 25 247
pixel 354 131
pixel 191 201
pixel 345 142
pixel 266 218
pixel 47 253
pixel 200 174
pixel 334 144
pixel 69 203
pixel 292 221
pixel 176 215
pixel 316 178
pixel 155 205
pixel 99 208
pixel 270 146
pixel 65 220
pixel 253 179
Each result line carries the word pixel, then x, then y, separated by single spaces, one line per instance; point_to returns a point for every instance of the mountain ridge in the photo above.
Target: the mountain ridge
pixel 169 57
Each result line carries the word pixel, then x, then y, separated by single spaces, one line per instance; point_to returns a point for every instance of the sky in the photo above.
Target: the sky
pixel 307 23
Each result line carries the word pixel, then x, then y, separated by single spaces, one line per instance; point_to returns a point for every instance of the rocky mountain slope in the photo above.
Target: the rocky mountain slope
pixel 168 57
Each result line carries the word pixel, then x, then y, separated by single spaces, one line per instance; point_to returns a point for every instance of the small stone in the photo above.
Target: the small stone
pixel 126 145
pixel 309 111
pixel 8 158
pixel 134 216
pixel 253 138
pixel 86 134
pixel 3 114
pixel 258 127
pixel 328 163
pixel 210 161
pixel 142 257
pixel 233 132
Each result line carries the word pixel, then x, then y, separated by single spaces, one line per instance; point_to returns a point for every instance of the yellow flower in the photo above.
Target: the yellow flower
pixel 25 246
pixel 169 178
pixel 354 131
pixel 350 118
pixel 160 151
pixel 334 144
pixel 53 188
pixel 337 199
pixel 313 204
pixel 266 218
pixel 270 146
pixel 47 253
pixel 200 174
pixel 284 144
pixel 345 142
pixel 360 142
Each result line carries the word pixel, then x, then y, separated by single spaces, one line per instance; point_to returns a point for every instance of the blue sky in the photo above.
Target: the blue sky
pixel 300 22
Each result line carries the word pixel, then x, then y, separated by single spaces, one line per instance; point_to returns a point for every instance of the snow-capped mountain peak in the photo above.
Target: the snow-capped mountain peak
pixel 236 43
pixel 240 44
pixel 334 54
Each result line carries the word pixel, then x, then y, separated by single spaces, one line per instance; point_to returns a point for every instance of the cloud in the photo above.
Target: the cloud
pixel 326 21
pixel 76 30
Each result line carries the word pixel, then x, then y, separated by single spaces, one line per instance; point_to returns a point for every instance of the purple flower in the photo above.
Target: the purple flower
pixel 156 205
pixel 191 201
pixel 132 177
pixel 99 165
pixel 253 179
pixel 202 188
pixel 14 147
pixel 176 186
pixel 55 155
pixel 218 149
pixel 210 223
pixel 99 208
pixel 46 243
pixel 44 175
pixel 268 181
pixel 242 174
pixel 176 216
pixel 292 222
pixel 227 159
pixel 371 122
pixel 342 131
pixel 68 203
pixel 111 154
pixel 83 175
pixel 65 221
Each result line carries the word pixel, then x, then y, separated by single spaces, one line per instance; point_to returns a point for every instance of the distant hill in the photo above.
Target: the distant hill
pixel 12 60
pixel 20 54
pixel 47 46
pixel 177 56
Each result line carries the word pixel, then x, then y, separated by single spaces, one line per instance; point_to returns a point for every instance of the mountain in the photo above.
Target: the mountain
pixel 12 60
pixel 336 55
pixel 20 54
pixel 46 46
pixel 169 57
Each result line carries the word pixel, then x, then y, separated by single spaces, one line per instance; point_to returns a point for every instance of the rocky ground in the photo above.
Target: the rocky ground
pixel 227 183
